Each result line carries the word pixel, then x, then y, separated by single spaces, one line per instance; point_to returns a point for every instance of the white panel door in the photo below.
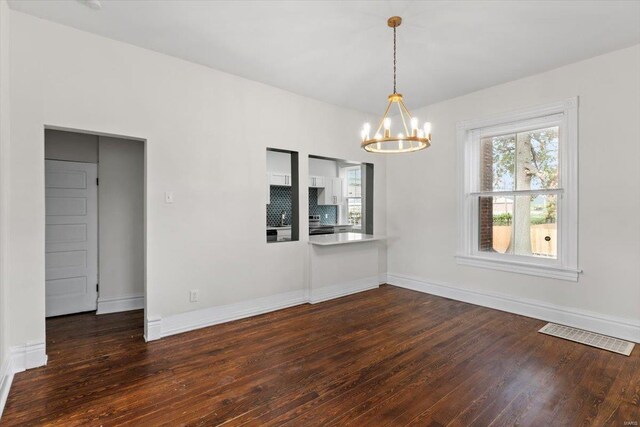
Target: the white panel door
pixel 71 273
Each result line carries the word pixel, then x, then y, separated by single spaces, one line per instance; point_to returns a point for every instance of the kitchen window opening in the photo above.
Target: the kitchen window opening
pixel 340 196
pixel 282 196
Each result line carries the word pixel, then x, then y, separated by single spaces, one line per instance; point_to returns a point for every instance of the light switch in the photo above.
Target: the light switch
pixel 168 197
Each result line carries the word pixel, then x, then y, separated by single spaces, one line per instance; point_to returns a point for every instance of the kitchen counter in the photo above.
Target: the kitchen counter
pixel 343 238
pixel 286 227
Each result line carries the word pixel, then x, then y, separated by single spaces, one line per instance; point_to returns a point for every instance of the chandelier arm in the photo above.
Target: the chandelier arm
pixel 383 117
pixel 404 123
pixel 405 109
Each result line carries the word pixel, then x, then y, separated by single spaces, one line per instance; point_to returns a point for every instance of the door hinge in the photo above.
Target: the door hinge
pixel 97 287
pixel 97 181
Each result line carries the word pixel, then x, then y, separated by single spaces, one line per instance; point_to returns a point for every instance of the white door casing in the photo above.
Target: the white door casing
pixel 71 242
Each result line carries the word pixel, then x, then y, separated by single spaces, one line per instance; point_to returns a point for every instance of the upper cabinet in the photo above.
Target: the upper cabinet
pixel 332 193
pixel 281 179
pixel 316 181
pixel 337 189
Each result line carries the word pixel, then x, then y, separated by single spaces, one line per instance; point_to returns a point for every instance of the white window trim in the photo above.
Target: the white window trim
pixel 564 114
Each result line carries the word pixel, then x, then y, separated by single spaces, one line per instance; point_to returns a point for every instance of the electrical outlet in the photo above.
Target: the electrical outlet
pixel 193 295
pixel 168 197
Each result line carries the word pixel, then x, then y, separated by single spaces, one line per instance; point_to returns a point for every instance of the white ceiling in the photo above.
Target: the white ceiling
pixel 341 51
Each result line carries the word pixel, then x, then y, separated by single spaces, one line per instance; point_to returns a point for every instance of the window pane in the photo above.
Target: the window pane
pixel 354 183
pixel 496 224
pixel 526 227
pixel 497 168
pixel 537 159
pixel 354 211
pixel 535 226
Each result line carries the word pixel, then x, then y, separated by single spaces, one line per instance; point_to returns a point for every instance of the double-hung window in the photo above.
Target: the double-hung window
pixel 353 196
pixel 518 191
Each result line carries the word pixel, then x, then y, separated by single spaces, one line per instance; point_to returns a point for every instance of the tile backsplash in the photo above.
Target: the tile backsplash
pixel 281 201
pixel 330 211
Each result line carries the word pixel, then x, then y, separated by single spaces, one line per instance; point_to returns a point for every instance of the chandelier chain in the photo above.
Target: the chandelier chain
pixel 394 60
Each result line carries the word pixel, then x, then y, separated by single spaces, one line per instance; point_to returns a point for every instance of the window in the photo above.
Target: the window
pixel 519 192
pixel 353 197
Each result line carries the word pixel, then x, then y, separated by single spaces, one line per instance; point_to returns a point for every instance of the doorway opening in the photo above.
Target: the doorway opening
pixel 95 224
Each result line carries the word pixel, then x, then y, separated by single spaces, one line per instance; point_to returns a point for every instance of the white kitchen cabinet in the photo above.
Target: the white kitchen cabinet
pixel 316 181
pixel 284 234
pixel 280 179
pixel 332 192
pixel 338 191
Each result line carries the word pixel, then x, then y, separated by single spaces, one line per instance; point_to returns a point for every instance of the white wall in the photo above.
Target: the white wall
pixel 120 221
pixel 421 190
pixel 206 134
pixel 4 224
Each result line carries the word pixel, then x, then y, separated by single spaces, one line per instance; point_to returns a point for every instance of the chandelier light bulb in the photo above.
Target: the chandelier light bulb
pixel 414 126
pixel 367 130
pixel 427 128
pixel 378 136
pixel 387 127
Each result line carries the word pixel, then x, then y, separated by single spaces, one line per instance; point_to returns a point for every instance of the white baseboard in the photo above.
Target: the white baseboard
pixel 118 304
pixel 21 358
pixel 184 322
pixel 6 378
pixel 28 356
pixel 156 328
pixel 153 329
pixel 627 329
pixel 343 289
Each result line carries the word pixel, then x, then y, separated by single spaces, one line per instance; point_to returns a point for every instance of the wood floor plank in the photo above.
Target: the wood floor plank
pixel 408 359
pixel 430 364
pixel 389 356
pixel 409 404
pixel 345 353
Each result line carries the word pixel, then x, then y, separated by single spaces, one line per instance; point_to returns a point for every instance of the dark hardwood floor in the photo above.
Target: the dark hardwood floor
pixel 384 357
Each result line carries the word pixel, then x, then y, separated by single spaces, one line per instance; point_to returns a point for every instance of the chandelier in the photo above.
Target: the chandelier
pixel 413 138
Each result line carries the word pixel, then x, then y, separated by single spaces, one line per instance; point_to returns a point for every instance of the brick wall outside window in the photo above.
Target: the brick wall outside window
pixel 485 205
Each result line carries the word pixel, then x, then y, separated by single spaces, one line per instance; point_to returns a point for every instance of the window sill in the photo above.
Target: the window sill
pixel 531 269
